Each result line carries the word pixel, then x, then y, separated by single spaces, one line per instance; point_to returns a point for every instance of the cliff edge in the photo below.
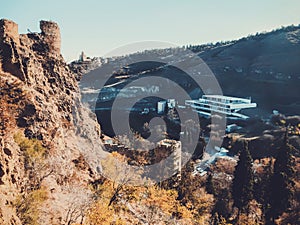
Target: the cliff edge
pixel 46 134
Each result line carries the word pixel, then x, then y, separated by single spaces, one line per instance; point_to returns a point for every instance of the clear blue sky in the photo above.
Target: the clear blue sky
pixel 98 26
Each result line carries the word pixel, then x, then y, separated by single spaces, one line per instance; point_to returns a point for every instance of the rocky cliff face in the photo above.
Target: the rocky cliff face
pixel 40 102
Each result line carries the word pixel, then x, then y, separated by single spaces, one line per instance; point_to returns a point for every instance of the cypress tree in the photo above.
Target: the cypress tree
pixel 266 187
pixel 222 205
pixel 243 182
pixel 222 199
pixel 282 183
pixel 210 187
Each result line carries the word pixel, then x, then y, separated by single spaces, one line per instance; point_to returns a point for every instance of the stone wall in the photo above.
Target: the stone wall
pixel 16 49
pixel 9 42
pixel 51 33
pixel 9 28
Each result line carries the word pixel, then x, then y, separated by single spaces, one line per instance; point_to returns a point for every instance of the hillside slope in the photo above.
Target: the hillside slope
pixel 264 66
pixel 43 172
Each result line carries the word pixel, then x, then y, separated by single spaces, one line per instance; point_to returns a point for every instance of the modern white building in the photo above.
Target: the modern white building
pixel 232 127
pixel 171 103
pixel 161 106
pixel 229 106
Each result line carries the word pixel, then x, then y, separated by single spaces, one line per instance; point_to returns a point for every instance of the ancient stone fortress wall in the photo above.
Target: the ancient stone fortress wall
pixel 51 33
pixel 9 42
pixel 9 28
pixel 19 51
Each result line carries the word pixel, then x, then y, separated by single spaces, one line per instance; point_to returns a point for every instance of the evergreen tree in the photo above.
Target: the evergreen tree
pixel 265 187
pixel 222 198
pixel 222 205
pixel 281 184
pixel 242 187
pixel 210 187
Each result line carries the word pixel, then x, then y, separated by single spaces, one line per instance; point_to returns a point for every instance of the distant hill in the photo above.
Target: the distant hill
pixel 264 66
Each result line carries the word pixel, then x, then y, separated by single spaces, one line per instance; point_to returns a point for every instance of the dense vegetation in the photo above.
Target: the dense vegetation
pixel 248 191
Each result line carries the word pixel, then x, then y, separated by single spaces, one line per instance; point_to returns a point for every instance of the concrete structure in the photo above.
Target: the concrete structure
pixel 229 106
pixel 232 128
pixel 171 103
pixel 161 107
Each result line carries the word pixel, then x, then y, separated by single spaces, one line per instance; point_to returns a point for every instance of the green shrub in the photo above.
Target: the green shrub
pixel 28 207
pixel 32 148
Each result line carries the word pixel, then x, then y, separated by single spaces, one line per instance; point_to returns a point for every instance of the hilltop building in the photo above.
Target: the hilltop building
pixel 83 58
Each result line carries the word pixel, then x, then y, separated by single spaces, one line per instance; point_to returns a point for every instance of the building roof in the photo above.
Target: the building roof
pixel 224 97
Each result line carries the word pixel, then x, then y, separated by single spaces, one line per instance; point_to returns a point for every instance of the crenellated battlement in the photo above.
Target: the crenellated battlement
pixel 50 34
pixel 15 47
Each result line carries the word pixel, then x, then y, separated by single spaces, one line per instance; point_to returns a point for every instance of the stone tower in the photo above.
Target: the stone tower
pixel 51 32
pixel 9 29
pixel 9 43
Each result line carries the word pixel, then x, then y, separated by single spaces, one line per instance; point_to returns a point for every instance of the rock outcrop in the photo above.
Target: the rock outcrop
pixel 40 101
